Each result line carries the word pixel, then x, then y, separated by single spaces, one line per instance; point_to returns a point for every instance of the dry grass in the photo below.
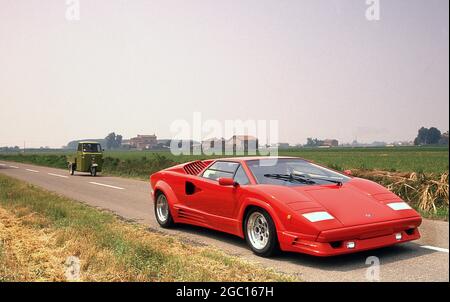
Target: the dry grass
pixel 39 230
pixel 27 254
pixel 427 192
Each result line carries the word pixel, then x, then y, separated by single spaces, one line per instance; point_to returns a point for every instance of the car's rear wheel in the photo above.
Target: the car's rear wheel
pixel 260 232
pixel 162 211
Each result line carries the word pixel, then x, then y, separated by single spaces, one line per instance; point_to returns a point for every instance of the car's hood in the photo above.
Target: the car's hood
pixel 354 203
pixel 351 206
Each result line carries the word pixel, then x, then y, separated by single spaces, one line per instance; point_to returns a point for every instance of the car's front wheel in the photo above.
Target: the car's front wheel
pixel 162 211
pixel 260 232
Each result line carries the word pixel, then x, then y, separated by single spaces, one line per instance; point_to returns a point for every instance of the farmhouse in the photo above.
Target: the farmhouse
pixel 213 145
pixel 330 143
pixel 143 142
pixel 242 143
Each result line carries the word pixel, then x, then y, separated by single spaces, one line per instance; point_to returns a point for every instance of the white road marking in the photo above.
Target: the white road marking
pixel 439 249
pixel 57 175
pixel 2 165
pixel 14 167
pixel 31 170
pixel 108 186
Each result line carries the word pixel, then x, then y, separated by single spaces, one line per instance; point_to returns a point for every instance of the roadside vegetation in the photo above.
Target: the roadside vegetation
pixel 426 192
pixel 39 230
pixel 417 174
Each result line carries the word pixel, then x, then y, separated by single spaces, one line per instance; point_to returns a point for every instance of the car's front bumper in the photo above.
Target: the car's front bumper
pixel 364 237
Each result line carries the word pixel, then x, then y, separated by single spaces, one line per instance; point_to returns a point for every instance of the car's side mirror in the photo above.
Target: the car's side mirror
pixel 348 172
pixel 227 181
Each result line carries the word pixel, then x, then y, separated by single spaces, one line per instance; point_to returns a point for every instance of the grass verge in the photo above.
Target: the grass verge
pixel 39 230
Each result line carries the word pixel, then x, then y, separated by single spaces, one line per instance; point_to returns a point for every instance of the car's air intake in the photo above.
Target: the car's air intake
pixel 194 167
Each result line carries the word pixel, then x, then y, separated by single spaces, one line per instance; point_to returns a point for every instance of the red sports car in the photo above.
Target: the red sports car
pixel 285 203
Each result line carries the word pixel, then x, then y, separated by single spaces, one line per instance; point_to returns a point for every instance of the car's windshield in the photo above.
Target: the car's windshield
pixel 292 172
pixel 92 148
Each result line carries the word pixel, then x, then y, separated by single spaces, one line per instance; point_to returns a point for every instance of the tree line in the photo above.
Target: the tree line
pixel 431 136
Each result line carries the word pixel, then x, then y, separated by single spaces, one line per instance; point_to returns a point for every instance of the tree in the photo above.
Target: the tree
pixel 119 140
pixel 421 138
pixel 444 139
pixel 434 135
pixel 313 142
pixel 113 141
pixel 110 140
pixel 427 136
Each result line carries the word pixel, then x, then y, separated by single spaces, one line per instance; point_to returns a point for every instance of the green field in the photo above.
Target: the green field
pixel 400 159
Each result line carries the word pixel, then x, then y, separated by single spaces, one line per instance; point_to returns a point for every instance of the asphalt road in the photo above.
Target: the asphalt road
pixel 424 260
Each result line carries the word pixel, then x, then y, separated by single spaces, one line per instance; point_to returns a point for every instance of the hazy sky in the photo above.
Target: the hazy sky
pixel 134 66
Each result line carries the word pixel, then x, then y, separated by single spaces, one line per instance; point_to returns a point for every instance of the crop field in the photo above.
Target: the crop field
pixel 400 159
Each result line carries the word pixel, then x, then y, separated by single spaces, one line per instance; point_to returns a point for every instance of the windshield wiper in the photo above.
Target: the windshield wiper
pixel 338 182
pixel 290 177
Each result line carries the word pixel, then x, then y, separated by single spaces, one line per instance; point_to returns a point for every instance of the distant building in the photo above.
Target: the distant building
pixel 403 143
pixel 242 143
pixel 330 143
pixel 163 143
pixel 143 142
pixel 283 146
pixel 213 145
pixel 126 144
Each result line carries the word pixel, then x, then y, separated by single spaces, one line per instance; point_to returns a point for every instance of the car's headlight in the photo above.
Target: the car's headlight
pixel 318 216
pixel 397 206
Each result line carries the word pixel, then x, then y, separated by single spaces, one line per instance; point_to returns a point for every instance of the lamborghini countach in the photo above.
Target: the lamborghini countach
pixel 283 203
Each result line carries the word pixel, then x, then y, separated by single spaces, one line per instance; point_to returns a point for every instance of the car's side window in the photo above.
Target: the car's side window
pixel 221 169
pixel 241 177
pixel 80 147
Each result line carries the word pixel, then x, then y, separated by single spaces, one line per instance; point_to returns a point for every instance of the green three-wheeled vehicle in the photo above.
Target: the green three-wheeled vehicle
pixel 88 158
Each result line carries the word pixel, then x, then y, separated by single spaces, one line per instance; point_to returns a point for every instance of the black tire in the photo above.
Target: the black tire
pixel 272 247
pixel 168 222
pixel 94 171
pixel 71 169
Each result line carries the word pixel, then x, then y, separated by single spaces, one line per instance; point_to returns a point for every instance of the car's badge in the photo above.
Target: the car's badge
pixel 368 215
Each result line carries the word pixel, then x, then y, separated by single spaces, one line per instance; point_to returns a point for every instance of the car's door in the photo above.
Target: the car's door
pixel 212 198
